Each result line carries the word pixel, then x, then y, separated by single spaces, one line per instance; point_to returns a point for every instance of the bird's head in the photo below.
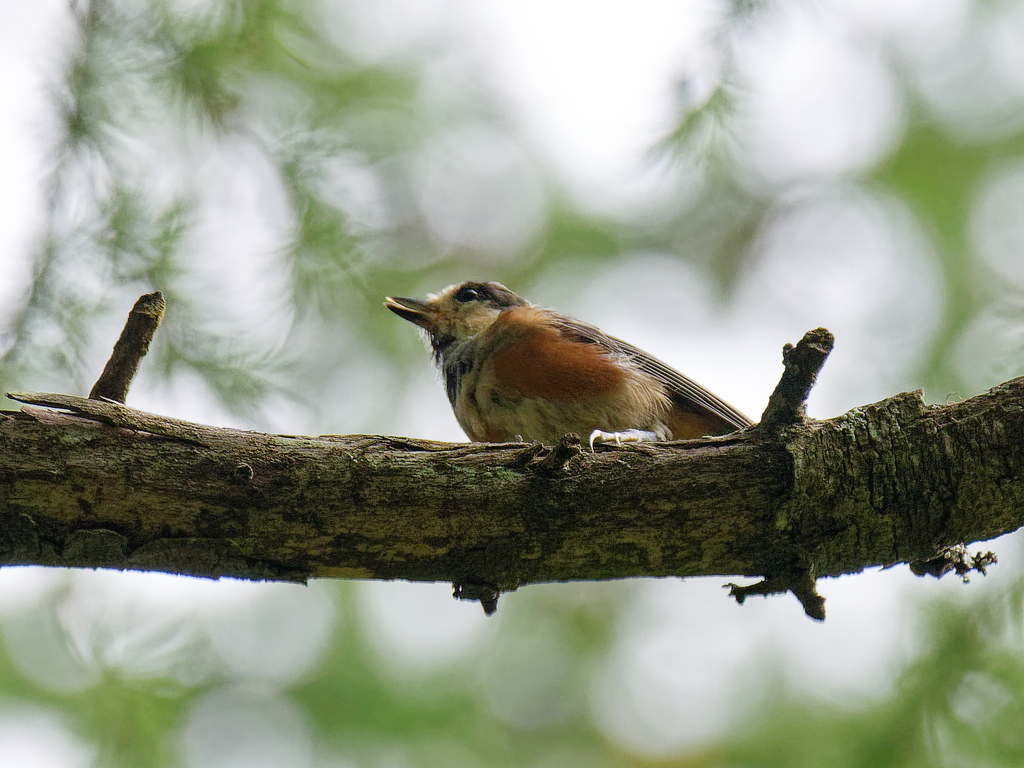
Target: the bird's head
pixel 457 313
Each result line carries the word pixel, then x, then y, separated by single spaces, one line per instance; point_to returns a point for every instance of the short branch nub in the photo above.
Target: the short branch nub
pixel 802 362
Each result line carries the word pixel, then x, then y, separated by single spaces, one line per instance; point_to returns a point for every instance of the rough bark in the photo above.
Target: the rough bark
pixel 897 481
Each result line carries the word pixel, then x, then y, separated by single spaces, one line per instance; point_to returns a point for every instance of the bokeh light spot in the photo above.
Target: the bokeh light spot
pixel 418 628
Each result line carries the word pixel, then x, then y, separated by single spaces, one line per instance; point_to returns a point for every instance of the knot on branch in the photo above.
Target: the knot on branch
pixel 486 594
pixel 954 559
pixel 802 586
pixel 525 457
pixel 787 405
pixel 107 549
pixel 564 451
pixel 242 473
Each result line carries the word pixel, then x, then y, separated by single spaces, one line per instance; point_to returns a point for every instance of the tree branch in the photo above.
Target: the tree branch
pixel 99 484
pixel 897 481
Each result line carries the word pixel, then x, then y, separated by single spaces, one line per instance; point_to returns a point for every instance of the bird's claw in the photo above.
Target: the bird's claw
pixel 626 436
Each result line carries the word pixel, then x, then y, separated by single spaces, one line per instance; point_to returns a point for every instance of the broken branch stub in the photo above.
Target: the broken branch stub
pixel 130 348
pixel 787 405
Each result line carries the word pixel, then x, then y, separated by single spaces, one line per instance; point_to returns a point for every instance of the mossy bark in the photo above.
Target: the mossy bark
pixel 897 481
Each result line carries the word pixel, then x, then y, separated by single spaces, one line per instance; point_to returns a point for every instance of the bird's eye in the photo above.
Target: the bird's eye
pixel 467 294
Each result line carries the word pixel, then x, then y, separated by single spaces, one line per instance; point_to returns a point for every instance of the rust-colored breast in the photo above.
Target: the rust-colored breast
pixel 532 359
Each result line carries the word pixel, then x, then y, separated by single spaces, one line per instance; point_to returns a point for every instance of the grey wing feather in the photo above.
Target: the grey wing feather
pixel 679 386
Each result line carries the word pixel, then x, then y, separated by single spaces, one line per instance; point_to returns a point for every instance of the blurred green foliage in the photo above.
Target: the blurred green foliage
pixel 151 91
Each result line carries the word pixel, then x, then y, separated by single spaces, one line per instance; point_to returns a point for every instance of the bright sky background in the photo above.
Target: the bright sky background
pixel 595 84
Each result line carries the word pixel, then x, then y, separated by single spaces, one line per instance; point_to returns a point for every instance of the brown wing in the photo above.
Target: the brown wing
pixel 538 360
pixel 697 412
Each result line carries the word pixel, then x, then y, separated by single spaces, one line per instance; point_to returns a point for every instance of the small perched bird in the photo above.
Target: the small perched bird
pixel 514 371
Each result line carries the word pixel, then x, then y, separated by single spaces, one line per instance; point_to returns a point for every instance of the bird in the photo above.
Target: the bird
pixel 517 372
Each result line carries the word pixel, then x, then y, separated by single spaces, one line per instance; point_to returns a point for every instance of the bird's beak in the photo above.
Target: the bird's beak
pixel 422 313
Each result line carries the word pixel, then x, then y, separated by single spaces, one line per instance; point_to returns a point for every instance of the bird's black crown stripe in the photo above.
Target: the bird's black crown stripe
pixel 494 294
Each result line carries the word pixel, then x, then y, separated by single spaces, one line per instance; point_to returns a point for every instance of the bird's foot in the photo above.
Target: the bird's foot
pixel 626 436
